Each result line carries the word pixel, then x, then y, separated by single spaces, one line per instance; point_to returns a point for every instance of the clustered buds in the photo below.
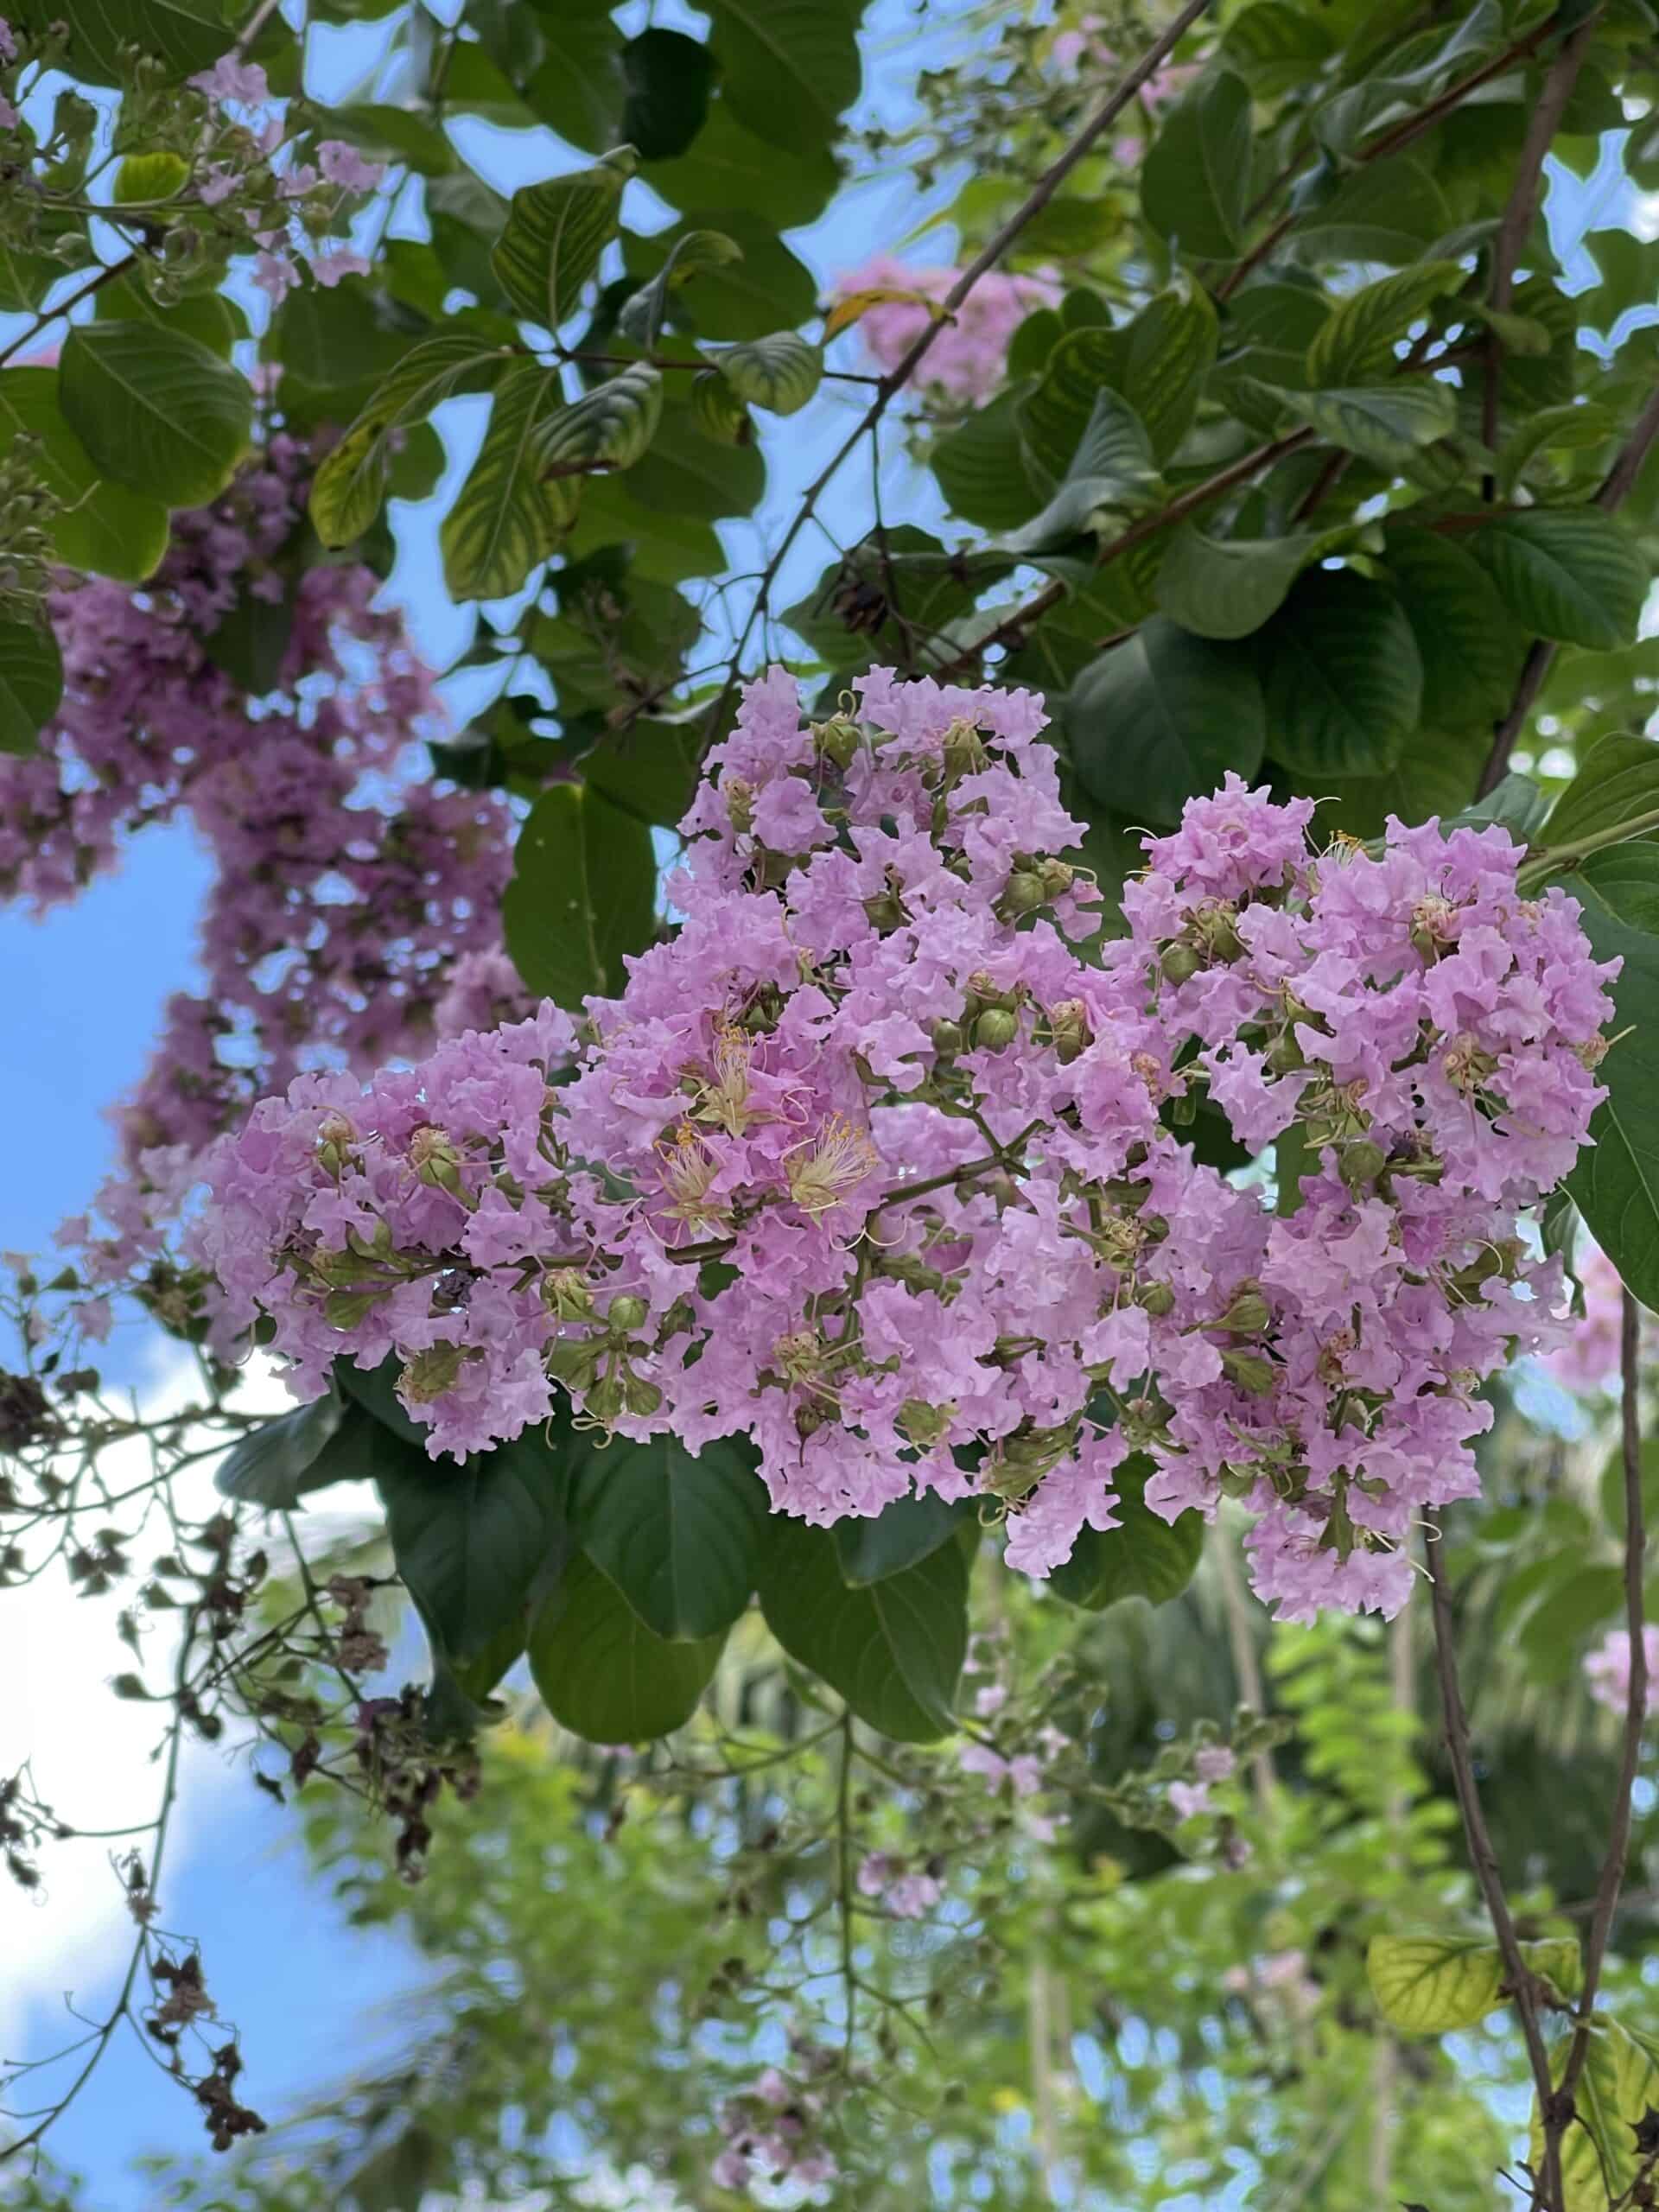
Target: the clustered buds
pixel 884 1161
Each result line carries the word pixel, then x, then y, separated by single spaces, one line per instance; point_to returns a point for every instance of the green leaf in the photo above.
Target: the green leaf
pixel 1551 1637
pixel 1275 46
pixel 350 484
pixel 789 67
pixel 1430 1983
pixel 155 409
pixel 187 37
pixel 508 516
pixel 582 893
pixel 1436 773
pixel 31 683
pixel 649 769
pixel 1469 646
pixel 329 1440
pixel 1616 788
pixel 100 526
pixel 718 412
pixel 748 293
pixel 980 466
pixel 1356 343
pixel 150 177
pixel 779 372
pixel 900 1535
pixel 217 321
pixel 1195 180
pixel 1615 1184
pixel 1225 587
pixel 578 89
pixel 1341 677
pixel 893 1649
pixel 686 479
pixel 1390 424
pixel 1144 1556
pixel 678 1533
pixel 607 428
pixel 729 166
pixel 1626 879
pixel 1567 573
pixel 669 78
pixel 1619 2084
pixel 470 1539
pixel 1161 718
pixel 600 1671
pixel 397 134
pixel 641 318
pixel 1110 477
pixel 250 640
pixel 556 232
pixel 1388 211
pixel 1157 363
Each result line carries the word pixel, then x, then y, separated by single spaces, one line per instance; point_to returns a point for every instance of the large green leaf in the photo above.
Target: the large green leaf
pixel 780 371
pixel 350 484
pixel 1617 789
pixel 900 1535
pixel 686 479
pixel 729 166
pixel 31 683
pixel 1616 1182
pixel 1341 677
pixel 269 1464
pixel 156 409
pixel 1619 2087
pixel 600 1671
pixel 1388 212
pixel 788 67
pixel 1144 1556
pixel 582 893
pixel 1436 773
pixel 648 769
pixel 556 232
pixel 1195 180
pixel 981 467
pixel 471 1540
pixel 892 1648
pixel 1157 362
pixel 1469 645
pixel 188 34
pixel 1430 1984
pixel 578 89
pixel 508 516
pixel 1389 424
pixel 1110 477
pixel 1161 718
pixel 1225 587
pixel 692 252
pixel 607 428
pixel 1569 573
pixel 1356 342
pixel 669 78
pixel 678 1533
pixel 758 287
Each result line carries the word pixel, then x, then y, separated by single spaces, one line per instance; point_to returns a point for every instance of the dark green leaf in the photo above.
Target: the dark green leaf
pixel 756 289
pixel 1567 573
pixel 1225 587
pixel 901 1535
pixel 1144 1556
pixel 1616 1182
pixel 556 232
pixel 155 409
pixel 893 1649
pixel 100 526
pixel 600 1671
pixel 1195 180
pixel 648 769
pixel 692 252
pixel 1389 424
pixel 1358 342
pixel 187 37
pixel 678 1533
pixel 1341 677
pixel 729 166
pixel 1161 718
pixel 1469 646
pixel 1616 788
pixel 582 893
pixel 508 516
pixel 1157 363
pixel 349 487
pixel 579 90
pixel 779 372
pixel 981 467
pixel 789 66
pixel 250 640
pixel 31 683
pixel 1110 478
pixel 669 78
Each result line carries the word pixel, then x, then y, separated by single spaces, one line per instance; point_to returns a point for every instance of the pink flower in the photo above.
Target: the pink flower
pixel 1607 1668
pixel 275 276
pixel 329 268
pixel 968 357
pixel 1190 1798
pixel 1213 1762
pixel 343 165
pixel 230 80
pixel 214 185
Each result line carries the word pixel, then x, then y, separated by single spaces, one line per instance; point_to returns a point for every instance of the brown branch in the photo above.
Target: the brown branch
pixel 895 381
pixel 1522 210
pixel 1557 2112
pixel 1614 490
pixel 1517 1976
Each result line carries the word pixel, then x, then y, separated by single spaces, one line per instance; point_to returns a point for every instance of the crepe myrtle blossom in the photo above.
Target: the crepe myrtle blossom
pixel 879 1162
pixel 772 2128
pixel 1588 1362
pixel 969 358
pixel 1607 1668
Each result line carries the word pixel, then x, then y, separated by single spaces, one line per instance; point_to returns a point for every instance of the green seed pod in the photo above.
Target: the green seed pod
pixel 838 740
pixel 1155 1297
pixel 1359 1164
pixel 949 1037
pixel 997 1029
pixel 626 1314
pixel 1022 893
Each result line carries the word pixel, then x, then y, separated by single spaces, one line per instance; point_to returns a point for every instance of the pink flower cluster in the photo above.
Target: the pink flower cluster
pixel 880 1161
pixel 346 887
pixel 1588 1362
pixel 772 2127
pixel 968 357
pixel 1607 1668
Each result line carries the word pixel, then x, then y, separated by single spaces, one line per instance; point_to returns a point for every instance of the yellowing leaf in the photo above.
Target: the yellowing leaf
pixel 1429 1984
pixel 846 311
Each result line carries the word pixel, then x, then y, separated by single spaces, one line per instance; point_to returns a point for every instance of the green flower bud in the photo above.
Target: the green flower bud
pixel 626 1314
pixel 1247 1314
pixel 565 1291
pixel 739 794
pixel 1359 1164
pixel 1179 962
pixel 949 1037
pixel 1057 878
pixel 1155 1297
pixel 997 1029
pixel 838 740
pixel 1022 893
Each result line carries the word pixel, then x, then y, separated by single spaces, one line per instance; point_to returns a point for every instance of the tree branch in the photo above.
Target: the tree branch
pixel 1460 1752
pixel 1557 2111
pixel 892 384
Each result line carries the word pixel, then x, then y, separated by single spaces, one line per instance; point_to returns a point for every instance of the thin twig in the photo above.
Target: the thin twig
pixel 1460 1751
pixel 984 262
pixel 1557 2111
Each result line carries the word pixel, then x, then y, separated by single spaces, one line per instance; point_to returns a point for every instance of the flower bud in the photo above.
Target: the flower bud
pixel 1155 1297
pixel 1022 893
pixel 1057 878
pixel 1069 1023
pixel 626 1314
pixel 1247 1314
pixel 962 748
pixel 838 740
pixel 997 1029
pixel 435 1159
pixel 739 795
pixel 886 910
pixel 1359 1164
pixel 1178 961
pixel 949 1037
pixel 565 1291
pixel 1250 1372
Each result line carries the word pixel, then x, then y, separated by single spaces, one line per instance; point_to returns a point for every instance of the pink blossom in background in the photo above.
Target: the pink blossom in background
pixel 1607 1669
pixel 230 80
pixel 1082 51
pixel 968 357
pixel 1588 1362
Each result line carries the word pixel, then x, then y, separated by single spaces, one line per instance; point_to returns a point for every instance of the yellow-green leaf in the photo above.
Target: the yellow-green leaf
pixel 351 481
pixel 508 516
pixel 779 372
pixel 1427 1985
pixel 556 232
pixel 147 177
pixel 608 428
